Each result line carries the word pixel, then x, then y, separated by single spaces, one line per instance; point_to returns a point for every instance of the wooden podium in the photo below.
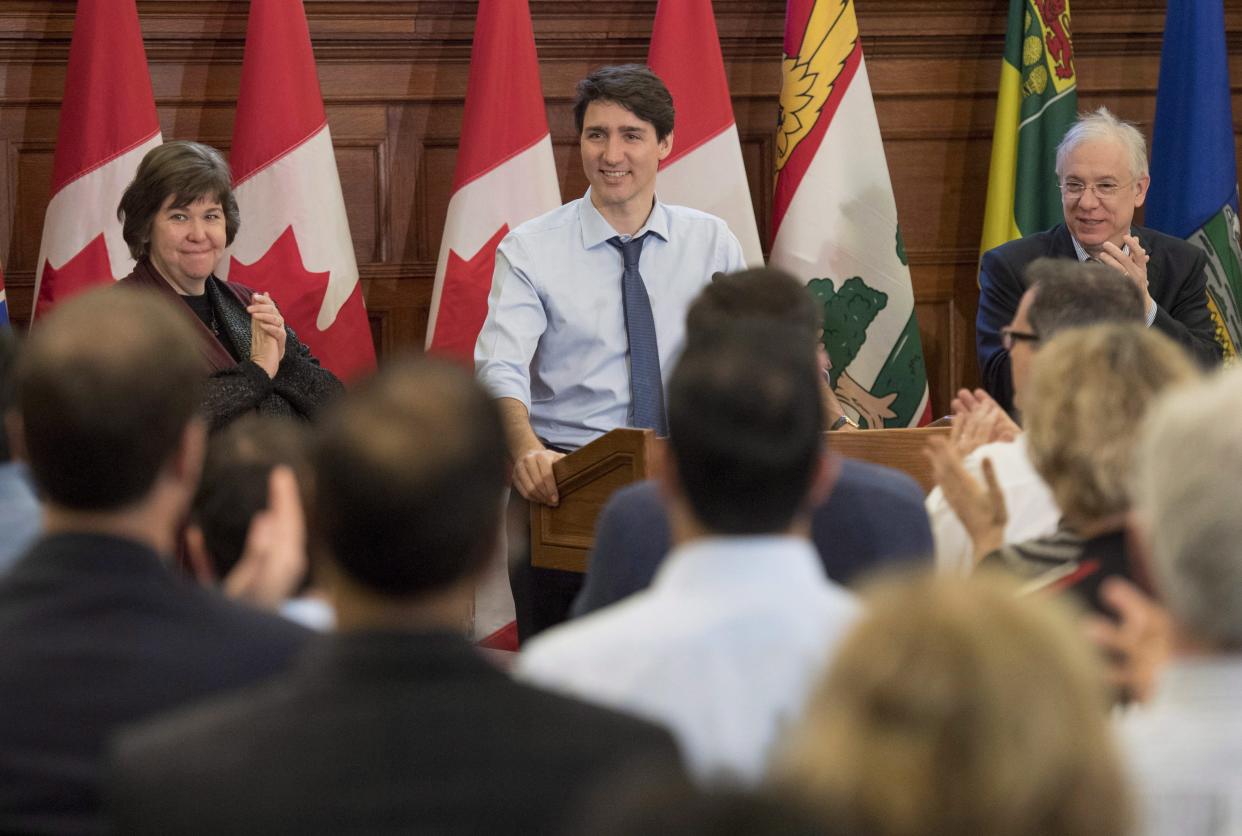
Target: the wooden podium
pixel 561 537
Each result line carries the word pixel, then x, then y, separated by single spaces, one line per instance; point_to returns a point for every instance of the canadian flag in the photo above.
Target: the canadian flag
pixel 505 172
pixel 107 124
pixel 294 238
pixel 705 170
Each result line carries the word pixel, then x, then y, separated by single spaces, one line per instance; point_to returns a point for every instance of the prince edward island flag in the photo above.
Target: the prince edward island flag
pixel 834 220
pixel 1194 175
pixel 1037 102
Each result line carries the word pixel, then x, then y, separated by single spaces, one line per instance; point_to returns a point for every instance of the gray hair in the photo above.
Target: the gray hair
pixel 1102 124
pixel 1069 293
pixel 1185 490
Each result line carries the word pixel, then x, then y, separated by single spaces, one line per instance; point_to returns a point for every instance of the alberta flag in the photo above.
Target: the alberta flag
pixel 4 304
pixel 834 220
pixel 1037 102
pixel 1194 177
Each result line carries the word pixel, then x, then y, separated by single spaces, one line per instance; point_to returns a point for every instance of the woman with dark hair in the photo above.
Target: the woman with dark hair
pixel 178 215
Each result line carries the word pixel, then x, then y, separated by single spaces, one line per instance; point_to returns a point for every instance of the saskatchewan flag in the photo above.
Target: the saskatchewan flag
pixel 1194 176
pixel 1038 100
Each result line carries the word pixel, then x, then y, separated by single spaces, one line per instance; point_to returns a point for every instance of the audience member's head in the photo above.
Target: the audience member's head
pixel 764 294
pixel 1185 484
pixel 632 86
pixel 1089 390
pixel 956 707
pixel 1063 293
pixel 745 423
pixel 184 172
pixel 234 486
pixel 107 391
pixel 10 346
pixel 409 476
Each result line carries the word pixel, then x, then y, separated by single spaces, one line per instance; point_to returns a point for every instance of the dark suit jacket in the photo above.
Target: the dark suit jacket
pixel 95 633
pixel 375 733
pixel 873 517
pixel 1175 279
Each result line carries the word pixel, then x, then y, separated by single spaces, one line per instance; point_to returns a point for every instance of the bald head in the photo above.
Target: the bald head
pixel 106 387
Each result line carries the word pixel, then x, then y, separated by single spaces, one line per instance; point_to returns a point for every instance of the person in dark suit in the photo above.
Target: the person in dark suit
pixel 95 631
pixel 396 724
pixel 1102 168
pixel 873 517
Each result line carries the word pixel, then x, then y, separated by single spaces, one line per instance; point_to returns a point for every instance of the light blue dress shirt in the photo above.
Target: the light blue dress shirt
pixel 21 516
pixel 554 337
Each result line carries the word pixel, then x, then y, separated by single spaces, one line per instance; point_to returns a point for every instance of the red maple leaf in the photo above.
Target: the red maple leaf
pixel 463 300
pixel 345 347
pixel 88 268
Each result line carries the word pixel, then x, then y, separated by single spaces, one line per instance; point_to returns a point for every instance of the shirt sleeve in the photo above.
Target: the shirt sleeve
pixel 515 321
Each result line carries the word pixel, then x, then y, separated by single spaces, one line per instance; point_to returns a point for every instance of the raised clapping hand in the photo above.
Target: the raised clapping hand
pixel 1138 644
pixel 979 420
pixel 532 476
pixel 267 333
pixel 1134 265
pixel 273 561
pixel 981 509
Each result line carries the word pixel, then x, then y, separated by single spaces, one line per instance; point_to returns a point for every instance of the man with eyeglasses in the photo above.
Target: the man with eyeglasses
pixel 1102 172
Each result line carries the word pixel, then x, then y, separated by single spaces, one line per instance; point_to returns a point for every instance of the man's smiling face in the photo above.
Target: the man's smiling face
pixel 620 156
pixel 1095 167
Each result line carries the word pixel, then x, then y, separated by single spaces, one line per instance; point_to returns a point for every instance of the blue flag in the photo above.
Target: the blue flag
pixel 1194 175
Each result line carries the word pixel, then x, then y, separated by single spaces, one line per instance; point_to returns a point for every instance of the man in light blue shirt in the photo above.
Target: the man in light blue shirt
pixel 21 515
pixel 555 350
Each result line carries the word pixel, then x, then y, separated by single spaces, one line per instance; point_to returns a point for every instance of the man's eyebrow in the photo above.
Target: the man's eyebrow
pixel 621 128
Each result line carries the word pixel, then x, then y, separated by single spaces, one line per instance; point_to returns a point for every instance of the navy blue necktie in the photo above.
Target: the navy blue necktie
pixel 646 386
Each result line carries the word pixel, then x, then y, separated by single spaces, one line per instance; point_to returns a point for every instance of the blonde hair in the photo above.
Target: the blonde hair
pixel 1088 391
pixel 956 707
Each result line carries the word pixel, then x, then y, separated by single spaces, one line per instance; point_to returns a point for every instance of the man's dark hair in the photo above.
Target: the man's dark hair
pixel 236 474
pixel 409 474
pixel 106 387
pixel 187 171
pixel 10 345
pixel 1070 294
pixel 745 425
pixel 632 86
pixel 763 293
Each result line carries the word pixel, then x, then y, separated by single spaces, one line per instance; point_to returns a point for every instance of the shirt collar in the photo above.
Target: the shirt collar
pixel 596 230
pixel 745 561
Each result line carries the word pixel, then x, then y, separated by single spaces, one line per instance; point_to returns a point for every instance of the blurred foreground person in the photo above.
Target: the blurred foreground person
pixel 95 630
pixel 395 723
pixel 955 707
pixel 21 517
pixel 178 215
pixel 1185 745
pixel 725 644
pixel 1081 438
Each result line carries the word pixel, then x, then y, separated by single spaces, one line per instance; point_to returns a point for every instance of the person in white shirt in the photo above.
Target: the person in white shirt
pixel 586 314
pixel 1185 744
pixel 1063 294
pixel 724 646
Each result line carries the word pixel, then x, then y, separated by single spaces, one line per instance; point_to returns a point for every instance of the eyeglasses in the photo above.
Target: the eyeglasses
pixel 1105 190
pixel 1009 336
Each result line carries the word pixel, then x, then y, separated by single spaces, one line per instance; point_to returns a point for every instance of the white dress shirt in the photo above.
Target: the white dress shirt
pixel 723 649
pixel 1185 750
pixel 554 337
pixel 1032 511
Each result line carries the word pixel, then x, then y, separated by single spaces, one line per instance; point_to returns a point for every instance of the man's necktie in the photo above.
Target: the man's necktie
pixel 646 386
